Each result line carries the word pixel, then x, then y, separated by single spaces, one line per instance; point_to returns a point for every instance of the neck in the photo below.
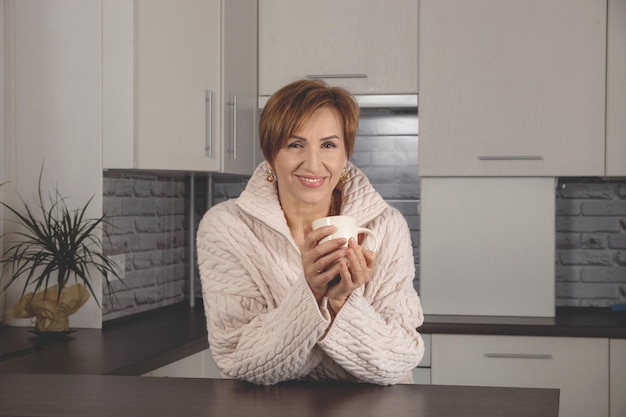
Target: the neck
pixel 299 218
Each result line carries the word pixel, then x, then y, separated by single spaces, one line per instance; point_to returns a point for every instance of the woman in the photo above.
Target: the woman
pixel 280 306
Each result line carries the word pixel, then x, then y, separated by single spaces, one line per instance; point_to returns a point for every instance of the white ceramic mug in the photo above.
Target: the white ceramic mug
pixel 346 228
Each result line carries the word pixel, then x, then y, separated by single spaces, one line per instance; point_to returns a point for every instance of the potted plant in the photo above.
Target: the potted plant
pixel 53 246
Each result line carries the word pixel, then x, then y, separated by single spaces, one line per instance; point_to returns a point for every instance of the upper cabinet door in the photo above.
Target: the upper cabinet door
pixel 367 46
pixel 512 88
pixel 177 63
pixel 239 85
pixel 616 89
pixel 179 82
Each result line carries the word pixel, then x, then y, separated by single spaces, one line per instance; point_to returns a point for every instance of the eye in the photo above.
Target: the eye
pixel 294 145
pixel 329 145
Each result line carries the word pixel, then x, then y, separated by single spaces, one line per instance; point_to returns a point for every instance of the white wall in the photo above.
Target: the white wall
pixel 54 110
pixel 2 125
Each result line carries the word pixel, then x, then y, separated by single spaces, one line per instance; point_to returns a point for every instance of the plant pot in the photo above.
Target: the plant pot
pixel 51 310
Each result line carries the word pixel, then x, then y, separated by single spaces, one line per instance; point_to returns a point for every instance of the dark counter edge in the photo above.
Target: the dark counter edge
pixel 594 322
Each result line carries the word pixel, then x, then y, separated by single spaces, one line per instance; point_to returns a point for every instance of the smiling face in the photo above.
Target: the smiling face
pixel 309 164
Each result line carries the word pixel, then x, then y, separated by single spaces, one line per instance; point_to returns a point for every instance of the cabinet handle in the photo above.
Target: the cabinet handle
pixel 208 107
pixel 510 157
pixel 234 148
pixel 519 355
pixel 336 76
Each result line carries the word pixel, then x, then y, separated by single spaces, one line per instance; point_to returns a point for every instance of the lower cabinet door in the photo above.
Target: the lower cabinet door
pixel 579 367
pixel 210 367
pixel 189 367
pixel 421 376
pixel 198 365
pixel 618 377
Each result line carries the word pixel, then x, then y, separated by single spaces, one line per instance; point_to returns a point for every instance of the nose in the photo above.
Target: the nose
pixel 313 158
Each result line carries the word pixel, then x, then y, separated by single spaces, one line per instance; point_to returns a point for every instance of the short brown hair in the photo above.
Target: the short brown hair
pixel 288 109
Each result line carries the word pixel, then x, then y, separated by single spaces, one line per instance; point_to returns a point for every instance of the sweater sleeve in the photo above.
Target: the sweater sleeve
pixel 374 335
pixel 252 336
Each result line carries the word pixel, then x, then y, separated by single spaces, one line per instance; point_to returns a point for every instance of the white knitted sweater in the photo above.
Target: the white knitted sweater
pixel 263 322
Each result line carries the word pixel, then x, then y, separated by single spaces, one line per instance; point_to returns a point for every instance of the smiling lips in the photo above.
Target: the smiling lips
pixel 311 182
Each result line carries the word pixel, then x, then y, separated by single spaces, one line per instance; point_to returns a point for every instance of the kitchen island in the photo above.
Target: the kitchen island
pixel 45 395
pixel 137 345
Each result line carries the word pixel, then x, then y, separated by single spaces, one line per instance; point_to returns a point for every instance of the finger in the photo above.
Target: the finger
pixel 359 265
pixel 356 263
pixel 318 271
pixel 358 260
pixel 319 282
pixel 344 286
pixel 358 272
pixel 370 257
pixel 324 262
pixel 331 251
pixel 312 237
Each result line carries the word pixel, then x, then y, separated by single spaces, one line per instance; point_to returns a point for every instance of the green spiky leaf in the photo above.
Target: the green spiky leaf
pixel 54 244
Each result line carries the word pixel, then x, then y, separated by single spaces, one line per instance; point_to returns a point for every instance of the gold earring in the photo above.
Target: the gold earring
pixel 269 175
pixel 345 175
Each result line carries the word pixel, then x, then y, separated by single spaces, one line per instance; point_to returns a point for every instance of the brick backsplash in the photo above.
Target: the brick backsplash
pixel 149 218
pixel 590 242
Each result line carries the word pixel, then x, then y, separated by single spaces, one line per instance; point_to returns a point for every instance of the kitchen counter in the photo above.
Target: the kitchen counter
pixel 569 322
pixel 139 344
pixel 110 396
pixel 129 346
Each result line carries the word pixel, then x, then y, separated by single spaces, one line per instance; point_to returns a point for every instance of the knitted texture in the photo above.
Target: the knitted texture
pixel 264 324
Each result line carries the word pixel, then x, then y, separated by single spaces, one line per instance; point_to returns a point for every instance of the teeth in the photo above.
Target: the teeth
pixel 310 179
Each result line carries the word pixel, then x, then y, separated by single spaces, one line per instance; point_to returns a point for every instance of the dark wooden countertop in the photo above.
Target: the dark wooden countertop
pixel 136 345
pixel 131 346
pixel 97 395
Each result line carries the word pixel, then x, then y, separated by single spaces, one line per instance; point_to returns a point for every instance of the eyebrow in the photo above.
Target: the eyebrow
pixel 325 138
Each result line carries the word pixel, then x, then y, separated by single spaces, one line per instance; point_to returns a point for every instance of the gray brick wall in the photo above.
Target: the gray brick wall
pixel 148 230
pixel 590 242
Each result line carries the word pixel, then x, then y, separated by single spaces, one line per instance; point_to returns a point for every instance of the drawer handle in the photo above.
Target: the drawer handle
pixel 519 355
pixel 510 157
pixel 336 76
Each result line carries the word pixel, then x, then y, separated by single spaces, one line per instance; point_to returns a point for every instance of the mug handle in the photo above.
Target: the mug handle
pixel 371 234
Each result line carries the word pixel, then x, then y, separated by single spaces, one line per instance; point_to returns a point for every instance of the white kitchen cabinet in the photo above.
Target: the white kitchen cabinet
pixel 189 367
pixel 198 365
pixel 487 246
pixel 369 47
pixel 616 90
pixel 576 366
pixel 421 374
pixel 180 88
pixel 514 88
pixel 617 372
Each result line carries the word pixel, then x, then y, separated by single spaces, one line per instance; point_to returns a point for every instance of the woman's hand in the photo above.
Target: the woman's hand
pixel 320 261
pixel 355 270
